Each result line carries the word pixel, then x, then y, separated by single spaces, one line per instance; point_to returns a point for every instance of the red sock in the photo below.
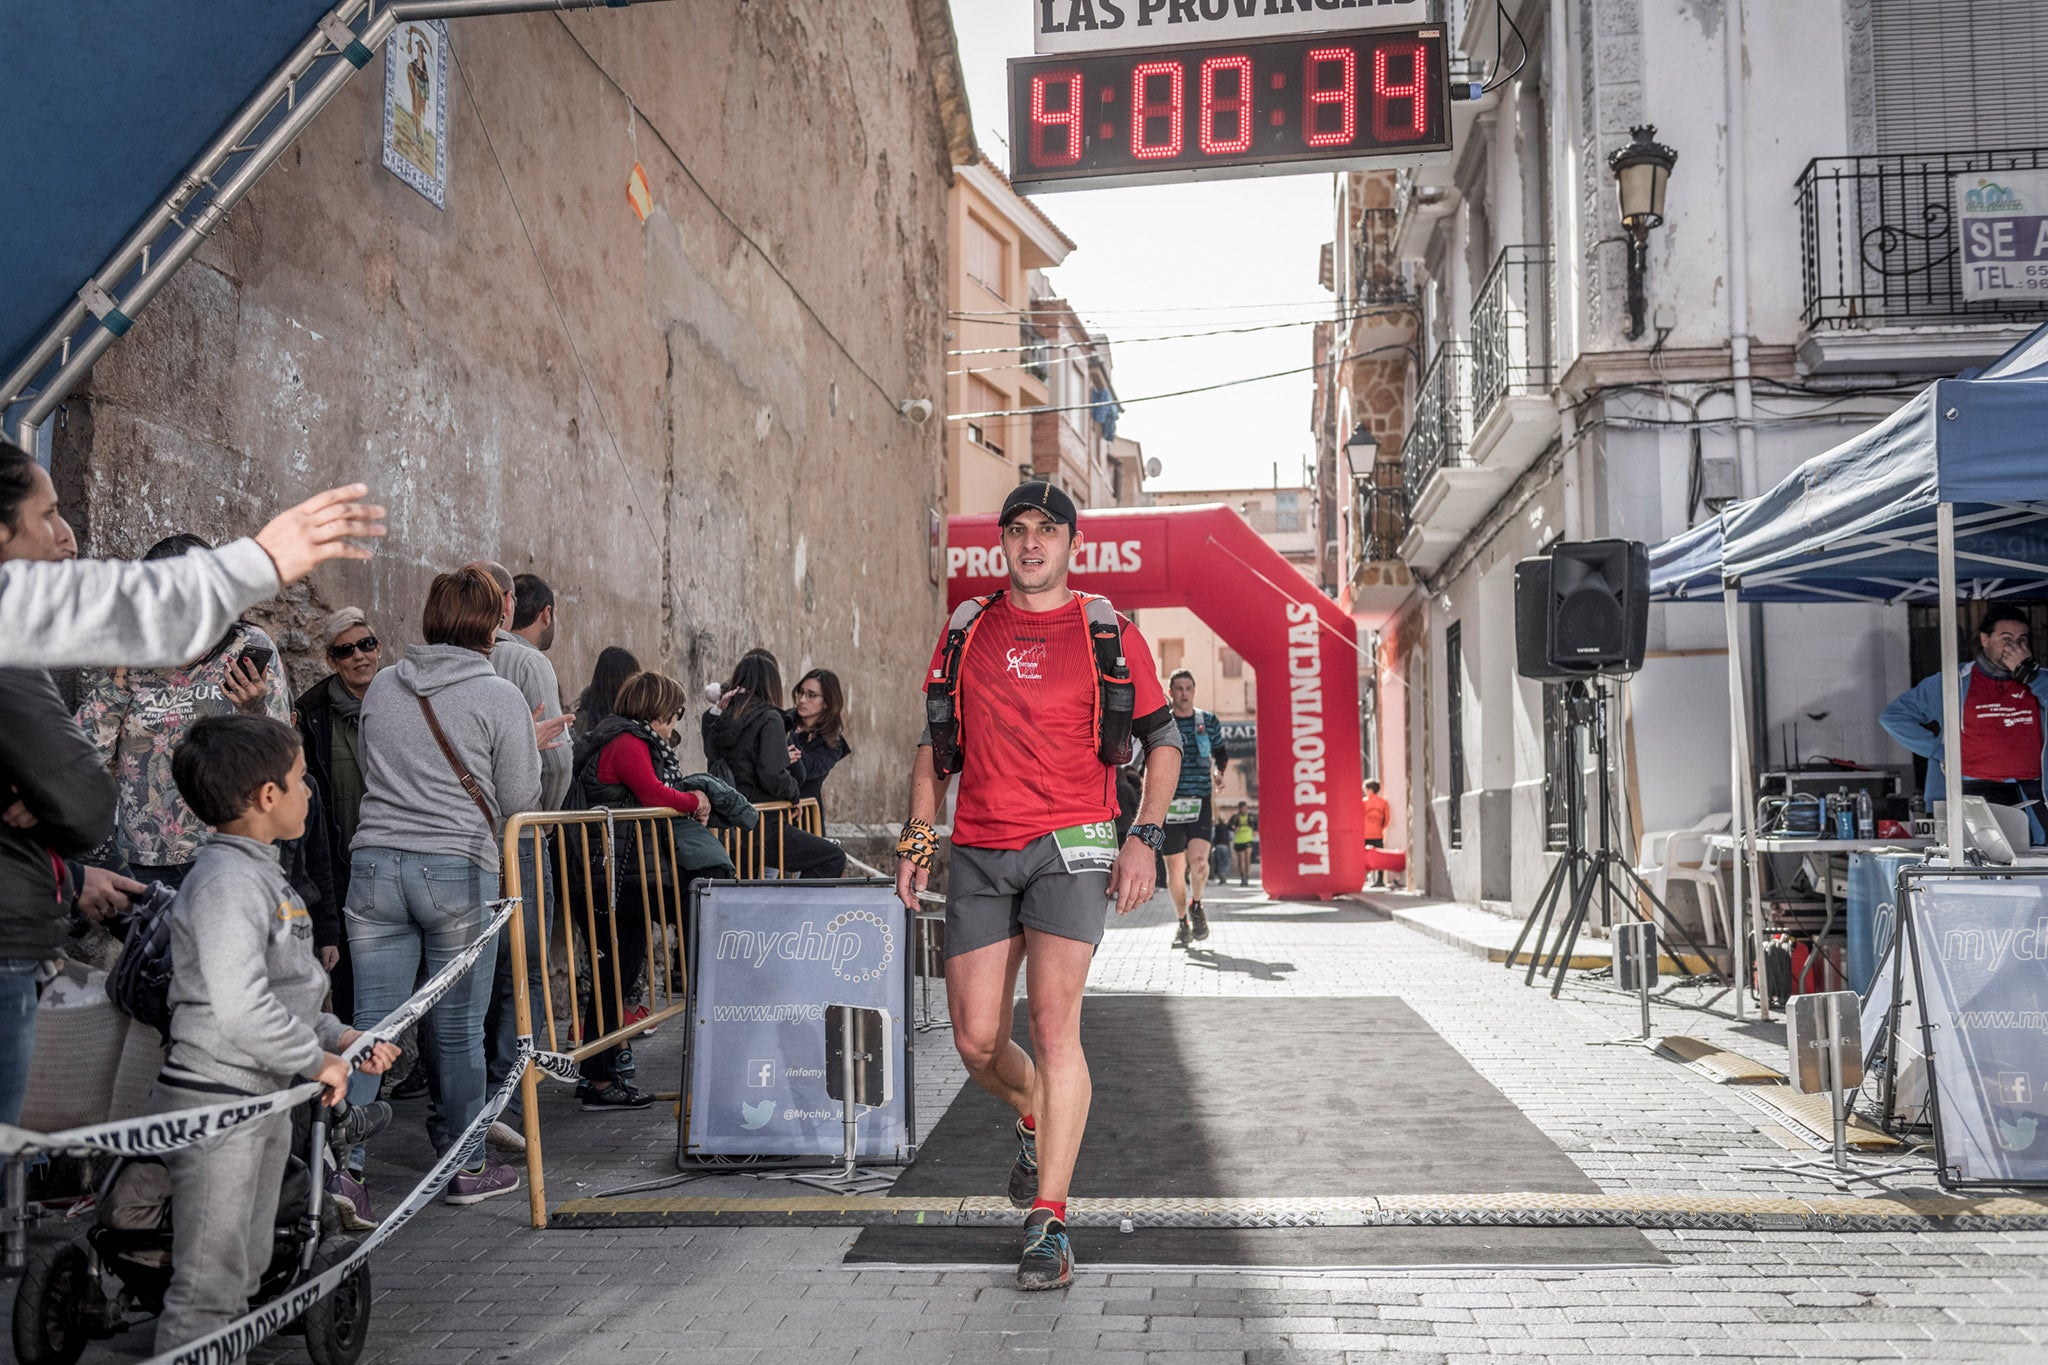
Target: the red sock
pixel 1057 1207
pixel 1030 1124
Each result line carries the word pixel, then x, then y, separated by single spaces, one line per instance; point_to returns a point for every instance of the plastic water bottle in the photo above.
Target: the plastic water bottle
pixel 1845 818
pixel 1866 817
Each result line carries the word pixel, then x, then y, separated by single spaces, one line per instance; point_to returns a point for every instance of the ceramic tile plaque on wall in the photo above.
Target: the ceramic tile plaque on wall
pixel 416 106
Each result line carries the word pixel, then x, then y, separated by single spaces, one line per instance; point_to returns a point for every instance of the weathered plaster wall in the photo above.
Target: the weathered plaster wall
pixel 649 416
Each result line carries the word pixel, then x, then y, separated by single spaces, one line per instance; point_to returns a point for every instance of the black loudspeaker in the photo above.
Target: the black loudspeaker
pixel 1532 625
pixel 1599 604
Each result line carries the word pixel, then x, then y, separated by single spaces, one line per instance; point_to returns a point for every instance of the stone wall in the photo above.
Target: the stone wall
pixel 688 426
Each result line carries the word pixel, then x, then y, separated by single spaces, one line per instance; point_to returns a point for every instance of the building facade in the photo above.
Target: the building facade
pixel 1800 285
pixel 1028 382
pixel 691 261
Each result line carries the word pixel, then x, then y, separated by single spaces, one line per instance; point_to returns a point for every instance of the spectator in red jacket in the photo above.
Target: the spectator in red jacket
pixel 627 761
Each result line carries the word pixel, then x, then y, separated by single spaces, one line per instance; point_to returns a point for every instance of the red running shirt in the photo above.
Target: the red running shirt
pixel 1027 724
pixel 2001 729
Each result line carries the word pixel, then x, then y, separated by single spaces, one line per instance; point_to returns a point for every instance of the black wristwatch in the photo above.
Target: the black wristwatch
pixel 1151 836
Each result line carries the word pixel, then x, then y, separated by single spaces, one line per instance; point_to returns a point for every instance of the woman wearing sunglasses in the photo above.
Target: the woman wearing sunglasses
pixel 329 717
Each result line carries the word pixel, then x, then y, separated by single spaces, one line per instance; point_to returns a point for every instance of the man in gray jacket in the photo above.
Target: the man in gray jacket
pixel 84 613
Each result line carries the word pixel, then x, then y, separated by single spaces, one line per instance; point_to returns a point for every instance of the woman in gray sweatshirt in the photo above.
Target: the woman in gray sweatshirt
pixel 424 860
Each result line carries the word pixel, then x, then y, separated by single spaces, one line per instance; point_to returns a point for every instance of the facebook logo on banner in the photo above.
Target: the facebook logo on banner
pixel 760 1074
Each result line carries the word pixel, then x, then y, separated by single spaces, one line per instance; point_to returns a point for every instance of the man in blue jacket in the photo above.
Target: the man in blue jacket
pixel 2003 739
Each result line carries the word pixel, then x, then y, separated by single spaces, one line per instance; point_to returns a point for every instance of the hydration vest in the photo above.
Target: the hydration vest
pixel 1116 696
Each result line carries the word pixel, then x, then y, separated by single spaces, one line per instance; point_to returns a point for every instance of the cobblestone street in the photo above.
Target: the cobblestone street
pixel 476 1285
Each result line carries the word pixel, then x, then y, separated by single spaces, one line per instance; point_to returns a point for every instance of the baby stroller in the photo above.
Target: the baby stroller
pixel 63 1301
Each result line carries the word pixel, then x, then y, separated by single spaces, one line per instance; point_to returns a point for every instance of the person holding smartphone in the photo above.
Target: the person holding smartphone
pixel 136 716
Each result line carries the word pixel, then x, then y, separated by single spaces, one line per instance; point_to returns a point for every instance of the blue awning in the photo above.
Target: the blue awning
pixel 105 105
pixel 1857 523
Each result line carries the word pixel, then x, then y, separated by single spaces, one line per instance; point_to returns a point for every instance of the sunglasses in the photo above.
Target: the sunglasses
pixel 368 645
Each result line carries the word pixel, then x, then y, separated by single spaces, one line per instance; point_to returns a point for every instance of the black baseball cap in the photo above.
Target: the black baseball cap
pixel 1038 496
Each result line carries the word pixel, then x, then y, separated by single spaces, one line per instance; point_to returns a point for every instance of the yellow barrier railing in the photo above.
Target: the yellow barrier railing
pixel 588 889
pixel 749 848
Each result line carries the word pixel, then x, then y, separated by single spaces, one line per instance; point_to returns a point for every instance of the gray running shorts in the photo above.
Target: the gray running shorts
pixel 996 894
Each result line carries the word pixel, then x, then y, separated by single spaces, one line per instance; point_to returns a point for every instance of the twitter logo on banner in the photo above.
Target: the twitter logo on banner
pixel 753 1116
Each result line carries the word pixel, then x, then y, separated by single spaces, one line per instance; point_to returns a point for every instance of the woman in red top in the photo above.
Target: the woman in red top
pixel 628 760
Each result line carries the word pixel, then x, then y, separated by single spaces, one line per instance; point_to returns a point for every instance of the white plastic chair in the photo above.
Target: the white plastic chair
pixel 1688 857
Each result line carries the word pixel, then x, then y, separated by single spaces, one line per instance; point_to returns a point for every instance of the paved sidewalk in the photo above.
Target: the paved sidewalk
pixel 476 1285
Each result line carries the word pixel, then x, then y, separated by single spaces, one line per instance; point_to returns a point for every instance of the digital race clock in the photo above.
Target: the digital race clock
pixel 1148 115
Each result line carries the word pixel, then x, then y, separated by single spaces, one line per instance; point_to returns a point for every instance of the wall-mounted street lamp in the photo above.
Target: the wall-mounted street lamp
pixel 1361 452
pixel 1642 170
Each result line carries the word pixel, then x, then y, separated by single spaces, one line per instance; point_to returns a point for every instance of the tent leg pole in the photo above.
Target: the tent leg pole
pixel 1737 798
pixel 1951 681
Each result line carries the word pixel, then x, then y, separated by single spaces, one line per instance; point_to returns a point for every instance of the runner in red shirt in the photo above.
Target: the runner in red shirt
pixel 1035 856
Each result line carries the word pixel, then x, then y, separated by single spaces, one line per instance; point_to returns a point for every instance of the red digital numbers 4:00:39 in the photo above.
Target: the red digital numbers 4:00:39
pixel 1153 114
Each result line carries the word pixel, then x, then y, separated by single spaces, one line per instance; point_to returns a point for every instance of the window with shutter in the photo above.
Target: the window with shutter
pixel 1960 75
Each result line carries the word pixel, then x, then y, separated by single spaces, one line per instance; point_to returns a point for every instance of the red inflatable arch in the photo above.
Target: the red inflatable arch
pixel 1205 558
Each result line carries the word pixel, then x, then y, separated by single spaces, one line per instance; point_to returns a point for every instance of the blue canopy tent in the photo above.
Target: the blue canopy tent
pixel 1953 483
pixel 132 130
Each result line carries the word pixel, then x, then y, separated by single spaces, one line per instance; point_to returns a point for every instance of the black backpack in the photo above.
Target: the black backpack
pixel 140 984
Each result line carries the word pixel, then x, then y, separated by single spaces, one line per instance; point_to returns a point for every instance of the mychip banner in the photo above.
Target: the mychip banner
pixel 1979 947
pixel 768 961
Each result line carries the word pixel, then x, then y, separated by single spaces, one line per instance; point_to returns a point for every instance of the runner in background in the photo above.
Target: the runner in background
pixel 1377 813
pixel 1189 819
pixel 1244 832
pixel 1036 861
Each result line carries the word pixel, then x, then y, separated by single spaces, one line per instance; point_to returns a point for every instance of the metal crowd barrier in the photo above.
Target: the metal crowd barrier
pixel 584 885
pixel 748 848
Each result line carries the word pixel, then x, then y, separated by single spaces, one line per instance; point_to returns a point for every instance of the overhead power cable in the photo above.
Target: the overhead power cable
pixel 1178 393
pixel 1340 320
pixel 1120 312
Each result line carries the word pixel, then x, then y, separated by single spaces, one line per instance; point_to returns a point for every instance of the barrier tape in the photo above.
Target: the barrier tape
pixel 168 1132
pixel 258 1325
pixel 161 1133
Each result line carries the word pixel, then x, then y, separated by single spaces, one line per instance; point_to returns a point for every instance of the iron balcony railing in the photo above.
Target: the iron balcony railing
pixel 1511 335
pixel 1382 512
pixel 1376 271
pixel 1878 244
pixel 1443 421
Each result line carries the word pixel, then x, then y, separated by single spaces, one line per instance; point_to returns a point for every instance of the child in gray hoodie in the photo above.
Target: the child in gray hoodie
pixel 245 998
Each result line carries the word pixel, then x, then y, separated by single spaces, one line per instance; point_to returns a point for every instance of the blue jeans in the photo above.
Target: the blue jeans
pixel 403 907
pixel 17 1032
pixel 501 1022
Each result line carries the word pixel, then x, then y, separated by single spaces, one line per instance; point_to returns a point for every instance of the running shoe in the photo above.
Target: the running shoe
pixel 505 1137
pixel 1180 934
pixel 1024 1175
pixel 351 1199
pixel 1199 919
pixel 473 1187
pixel 413 1086
pixel 1048 1261
pixel 637 1013
pixel 617 1095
